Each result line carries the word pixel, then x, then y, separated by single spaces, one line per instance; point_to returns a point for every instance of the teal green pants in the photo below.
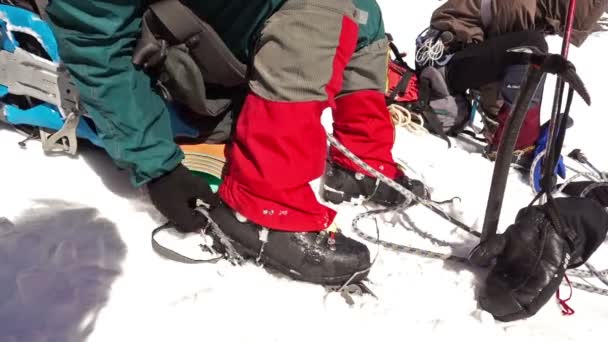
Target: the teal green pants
pixel 96 40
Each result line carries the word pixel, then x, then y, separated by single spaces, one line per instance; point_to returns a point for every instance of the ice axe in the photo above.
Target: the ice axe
pixel 559 119
pixel 540 64
pixel 556 64
pixel 580 157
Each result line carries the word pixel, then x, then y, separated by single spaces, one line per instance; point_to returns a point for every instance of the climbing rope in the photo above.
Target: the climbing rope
pixel 409 199
pixel 430 50
pixel 402 117
pixel 394 246
pixel 590 175
pixel 399 248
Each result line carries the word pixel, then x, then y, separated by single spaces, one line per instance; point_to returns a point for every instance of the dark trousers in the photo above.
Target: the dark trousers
pixel 485 63
pixel 482 65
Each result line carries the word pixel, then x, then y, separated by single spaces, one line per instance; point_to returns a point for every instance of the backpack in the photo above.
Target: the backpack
pixel 407 89
pixel 193 68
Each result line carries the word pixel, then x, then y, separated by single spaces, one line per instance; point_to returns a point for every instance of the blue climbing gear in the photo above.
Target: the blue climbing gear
pixel 35 88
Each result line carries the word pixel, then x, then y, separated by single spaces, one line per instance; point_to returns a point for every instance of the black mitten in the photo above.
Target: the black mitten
pixel 543 242
pixel 175 195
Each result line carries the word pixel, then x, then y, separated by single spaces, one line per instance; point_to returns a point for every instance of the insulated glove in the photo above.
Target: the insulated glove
pixel 532 255
pixel 175 195
pixel 541 145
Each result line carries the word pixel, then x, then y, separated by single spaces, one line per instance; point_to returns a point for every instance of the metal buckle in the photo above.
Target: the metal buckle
pixel 64 140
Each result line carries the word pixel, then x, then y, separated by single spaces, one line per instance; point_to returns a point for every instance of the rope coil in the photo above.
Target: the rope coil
pixel 403 117
pixel 430 51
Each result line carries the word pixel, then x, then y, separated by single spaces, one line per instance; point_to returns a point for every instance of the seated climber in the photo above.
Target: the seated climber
pixel 465 49
pixel 304 56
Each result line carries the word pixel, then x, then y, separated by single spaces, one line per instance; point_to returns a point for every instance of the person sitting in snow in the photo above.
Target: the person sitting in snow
pixel 306 55
pixel 464 49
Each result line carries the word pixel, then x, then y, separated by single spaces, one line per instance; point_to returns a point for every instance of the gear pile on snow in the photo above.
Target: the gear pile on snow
pixel 528 261
pixel 410 90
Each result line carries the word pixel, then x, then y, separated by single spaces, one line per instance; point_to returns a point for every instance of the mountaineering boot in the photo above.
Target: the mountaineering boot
pixel 523 155
pixel 327 257
pixel 345 185
pixel 521 159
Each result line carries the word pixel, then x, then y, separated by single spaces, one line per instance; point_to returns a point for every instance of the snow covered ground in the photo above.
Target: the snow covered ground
pixel 86 268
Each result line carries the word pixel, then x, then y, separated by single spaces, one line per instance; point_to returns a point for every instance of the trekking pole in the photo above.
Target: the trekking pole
pixel 580 157
pixel 558 119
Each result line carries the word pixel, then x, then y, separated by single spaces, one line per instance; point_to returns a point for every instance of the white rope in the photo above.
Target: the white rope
pixel 589 175
pixel 603 22
pixel 537 159
pixel 402 117
pixel 429 52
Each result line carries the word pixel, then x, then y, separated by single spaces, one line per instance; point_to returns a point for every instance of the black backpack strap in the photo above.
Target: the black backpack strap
pixel 398 55
pixel 173 255
pixel 217 63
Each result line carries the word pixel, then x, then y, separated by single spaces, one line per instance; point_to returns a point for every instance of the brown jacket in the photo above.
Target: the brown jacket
pixel 463 18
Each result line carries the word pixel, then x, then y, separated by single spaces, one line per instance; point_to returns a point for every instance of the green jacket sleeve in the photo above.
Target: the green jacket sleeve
pixel 371 24
pixel 96 40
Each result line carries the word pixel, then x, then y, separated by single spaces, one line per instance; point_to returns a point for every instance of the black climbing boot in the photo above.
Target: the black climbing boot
pixel 342 185
pixel 326 258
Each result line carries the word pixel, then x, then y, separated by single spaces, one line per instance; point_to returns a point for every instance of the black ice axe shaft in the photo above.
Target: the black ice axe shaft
pixel 566 73
pixel 557 124
pixel 505 151
pixel 540 64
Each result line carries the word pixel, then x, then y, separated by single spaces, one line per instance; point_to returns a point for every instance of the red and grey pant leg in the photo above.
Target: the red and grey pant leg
pixel 361 119
pixel 304 60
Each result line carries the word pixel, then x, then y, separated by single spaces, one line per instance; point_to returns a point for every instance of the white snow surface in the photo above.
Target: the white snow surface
pixel 79 266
